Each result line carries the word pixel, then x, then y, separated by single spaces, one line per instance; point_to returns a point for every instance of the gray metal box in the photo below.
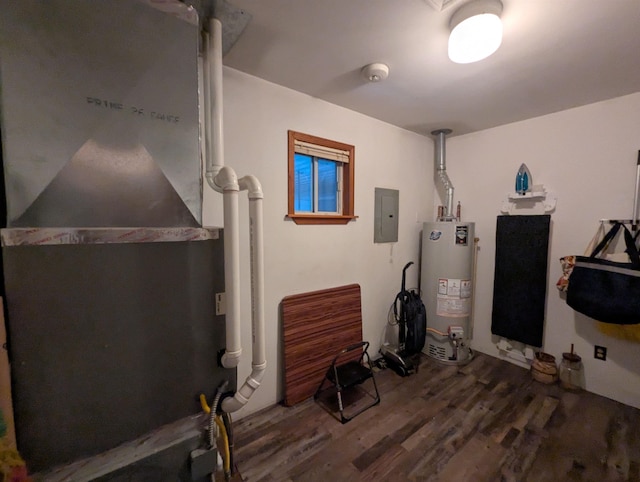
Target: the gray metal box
pixel 386 215
pixel 110 341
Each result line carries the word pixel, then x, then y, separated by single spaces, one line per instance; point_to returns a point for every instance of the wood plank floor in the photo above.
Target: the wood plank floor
pixel 486 421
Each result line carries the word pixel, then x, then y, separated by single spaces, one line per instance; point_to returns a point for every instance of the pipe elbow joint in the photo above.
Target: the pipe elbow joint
pixel 233 404
pixel 231 359
pixel 210 176
pixel 252 186
pixel 226 179
pixel 251 384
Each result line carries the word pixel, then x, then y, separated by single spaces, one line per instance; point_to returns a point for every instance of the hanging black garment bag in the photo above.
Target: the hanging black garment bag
pixel 604 290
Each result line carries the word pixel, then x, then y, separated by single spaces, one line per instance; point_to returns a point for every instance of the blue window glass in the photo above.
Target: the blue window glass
pixel 303 201
pixel 315 184
pixel 327 186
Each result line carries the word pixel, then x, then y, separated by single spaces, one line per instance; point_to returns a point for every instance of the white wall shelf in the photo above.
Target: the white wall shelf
pixel 532 202
pixel 527 195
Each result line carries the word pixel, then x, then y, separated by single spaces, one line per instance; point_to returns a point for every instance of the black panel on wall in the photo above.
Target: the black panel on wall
pixel 520 281
pixel 110 341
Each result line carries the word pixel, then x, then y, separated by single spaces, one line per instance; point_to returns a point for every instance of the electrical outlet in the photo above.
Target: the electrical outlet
pixel 600 352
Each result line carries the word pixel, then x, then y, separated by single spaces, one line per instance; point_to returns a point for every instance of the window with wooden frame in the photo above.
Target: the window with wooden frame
pixel 321 175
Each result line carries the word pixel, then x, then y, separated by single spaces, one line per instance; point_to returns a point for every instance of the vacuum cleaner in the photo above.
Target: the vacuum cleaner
pixel 410 315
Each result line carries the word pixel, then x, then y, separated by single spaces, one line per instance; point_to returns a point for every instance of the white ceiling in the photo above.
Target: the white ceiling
pixel 555 54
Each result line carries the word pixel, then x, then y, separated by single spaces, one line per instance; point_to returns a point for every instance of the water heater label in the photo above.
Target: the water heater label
pixel 435 235
pixel 452 307
pixel 462 235
pixel 465 288
pixel 454 297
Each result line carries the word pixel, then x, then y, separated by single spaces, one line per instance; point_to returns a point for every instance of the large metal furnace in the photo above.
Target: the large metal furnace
pixel 110 279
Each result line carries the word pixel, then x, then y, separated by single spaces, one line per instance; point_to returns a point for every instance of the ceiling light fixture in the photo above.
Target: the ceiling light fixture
pixel 375 72
pixel 476 31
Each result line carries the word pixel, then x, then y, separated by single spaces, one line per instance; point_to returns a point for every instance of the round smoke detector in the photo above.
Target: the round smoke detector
pixel 375 72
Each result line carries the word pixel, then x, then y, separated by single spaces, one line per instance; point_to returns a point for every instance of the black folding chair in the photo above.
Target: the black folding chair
pixel 346 373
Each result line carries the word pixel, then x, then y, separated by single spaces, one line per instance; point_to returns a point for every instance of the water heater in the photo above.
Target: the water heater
pixel 446 285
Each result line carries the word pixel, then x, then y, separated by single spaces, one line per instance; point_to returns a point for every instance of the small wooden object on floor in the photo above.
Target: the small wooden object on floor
pixel 544 369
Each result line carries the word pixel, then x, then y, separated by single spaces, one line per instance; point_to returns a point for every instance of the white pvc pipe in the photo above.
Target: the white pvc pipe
pixel 223 179
pixel 258 363
pixel 252 186
pixel 257 282
pixel 228 182
pixel 241 397
pixel 206 105
pixel 257 266
pixel 214 132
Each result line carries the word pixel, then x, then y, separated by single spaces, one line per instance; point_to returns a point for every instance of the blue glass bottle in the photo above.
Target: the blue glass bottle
pixel 523 179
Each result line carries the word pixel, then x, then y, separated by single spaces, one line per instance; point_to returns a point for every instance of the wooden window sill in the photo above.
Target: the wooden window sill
pixel 320 218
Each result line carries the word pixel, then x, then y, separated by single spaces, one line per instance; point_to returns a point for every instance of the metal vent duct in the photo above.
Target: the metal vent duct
pixel 99 114
pixel 441 167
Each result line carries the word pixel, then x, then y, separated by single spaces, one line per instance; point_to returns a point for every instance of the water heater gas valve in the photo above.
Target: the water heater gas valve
pixel 456 332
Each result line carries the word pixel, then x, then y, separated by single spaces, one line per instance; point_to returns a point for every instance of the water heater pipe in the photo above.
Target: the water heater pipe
pixel 223 179
pixel 441 167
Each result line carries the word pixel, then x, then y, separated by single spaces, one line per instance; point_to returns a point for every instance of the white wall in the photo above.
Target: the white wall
pixel 587 157
pixel 257 115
